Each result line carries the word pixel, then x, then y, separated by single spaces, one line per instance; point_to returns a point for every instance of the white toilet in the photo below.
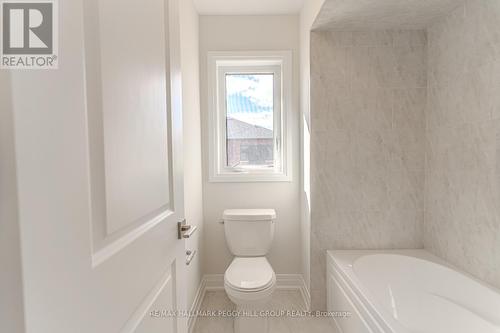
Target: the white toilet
pixel 249 280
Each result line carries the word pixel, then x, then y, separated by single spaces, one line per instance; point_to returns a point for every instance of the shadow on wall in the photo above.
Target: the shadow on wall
pixel 11 314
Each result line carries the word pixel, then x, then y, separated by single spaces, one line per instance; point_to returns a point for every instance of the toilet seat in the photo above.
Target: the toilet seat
pixel 249 274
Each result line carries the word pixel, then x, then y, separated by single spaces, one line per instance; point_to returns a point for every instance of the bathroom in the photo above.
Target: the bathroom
pixel 250 166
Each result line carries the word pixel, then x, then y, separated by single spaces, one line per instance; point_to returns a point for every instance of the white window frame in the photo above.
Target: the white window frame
pixel 279 63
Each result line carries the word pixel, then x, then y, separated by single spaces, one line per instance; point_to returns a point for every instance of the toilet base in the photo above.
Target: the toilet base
pixel 250 305
pixel 250 320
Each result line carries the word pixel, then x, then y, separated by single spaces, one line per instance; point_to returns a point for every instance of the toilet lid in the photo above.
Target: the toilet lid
pixel 249 274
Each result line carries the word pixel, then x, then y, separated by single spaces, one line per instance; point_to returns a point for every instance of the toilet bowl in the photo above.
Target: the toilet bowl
pixel 250 283
pixel 249 280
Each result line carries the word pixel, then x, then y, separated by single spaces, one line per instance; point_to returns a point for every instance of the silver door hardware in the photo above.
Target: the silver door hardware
pixel 185 230
pixel 190 255
pixel 189 232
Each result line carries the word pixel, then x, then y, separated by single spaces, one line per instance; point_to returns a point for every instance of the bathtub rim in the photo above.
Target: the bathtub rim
pixel 340 263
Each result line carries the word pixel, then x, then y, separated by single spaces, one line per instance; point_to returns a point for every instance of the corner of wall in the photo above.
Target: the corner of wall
pixel 306 18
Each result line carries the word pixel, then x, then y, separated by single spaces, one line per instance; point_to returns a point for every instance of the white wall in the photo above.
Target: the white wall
pixel 11 294
pixel 253 33
pixel 193 195
pixel 307 16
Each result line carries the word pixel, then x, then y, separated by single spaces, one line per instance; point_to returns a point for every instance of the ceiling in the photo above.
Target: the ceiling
pixel 248 7
pixel 381 14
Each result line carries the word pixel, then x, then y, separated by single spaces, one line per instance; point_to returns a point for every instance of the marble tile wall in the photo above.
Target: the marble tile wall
pixel 462 196
pixel 368 97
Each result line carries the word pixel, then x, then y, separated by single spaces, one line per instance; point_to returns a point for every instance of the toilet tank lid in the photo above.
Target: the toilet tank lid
pixel 249 214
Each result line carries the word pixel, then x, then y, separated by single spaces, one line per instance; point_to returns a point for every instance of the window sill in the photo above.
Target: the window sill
pixel 249 177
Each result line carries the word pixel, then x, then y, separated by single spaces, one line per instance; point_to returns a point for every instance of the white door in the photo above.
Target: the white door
pixel 99 167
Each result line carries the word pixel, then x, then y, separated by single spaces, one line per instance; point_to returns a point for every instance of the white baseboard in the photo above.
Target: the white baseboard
pixel 200 294
pixel 294 282
pixel 213 282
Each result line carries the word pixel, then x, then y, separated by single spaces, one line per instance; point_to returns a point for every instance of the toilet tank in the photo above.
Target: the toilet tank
pixel 249 232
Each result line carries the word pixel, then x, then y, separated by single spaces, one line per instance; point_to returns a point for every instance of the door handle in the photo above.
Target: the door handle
pixel 185 230
pixel 190 255
pixel 189 232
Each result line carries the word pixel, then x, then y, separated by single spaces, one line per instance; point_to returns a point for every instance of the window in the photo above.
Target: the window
pixel 249 120
pixel 249 94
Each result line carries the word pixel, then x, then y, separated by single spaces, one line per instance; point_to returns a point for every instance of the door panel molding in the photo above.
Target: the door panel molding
pixel 142 313
pixel 101 255
pixel 108 236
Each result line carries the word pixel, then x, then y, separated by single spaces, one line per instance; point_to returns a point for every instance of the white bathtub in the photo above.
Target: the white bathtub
pixel 407 291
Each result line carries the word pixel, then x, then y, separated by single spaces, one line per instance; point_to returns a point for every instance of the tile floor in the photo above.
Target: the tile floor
pixel 282 300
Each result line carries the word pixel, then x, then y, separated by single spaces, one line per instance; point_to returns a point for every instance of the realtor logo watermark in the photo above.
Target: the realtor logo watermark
pixel 29 34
